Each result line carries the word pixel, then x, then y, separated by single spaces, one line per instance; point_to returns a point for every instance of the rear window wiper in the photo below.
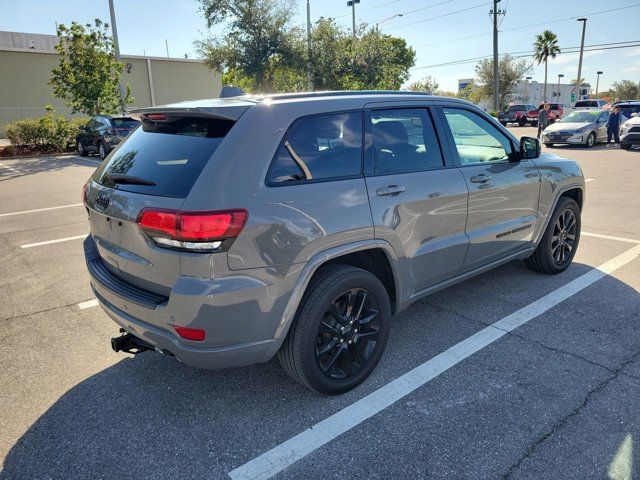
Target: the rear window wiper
pixel 123 179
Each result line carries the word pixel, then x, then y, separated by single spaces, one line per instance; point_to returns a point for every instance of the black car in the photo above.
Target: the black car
pixel 103 133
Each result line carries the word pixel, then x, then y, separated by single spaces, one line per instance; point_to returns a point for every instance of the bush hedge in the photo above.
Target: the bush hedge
pixel 49 133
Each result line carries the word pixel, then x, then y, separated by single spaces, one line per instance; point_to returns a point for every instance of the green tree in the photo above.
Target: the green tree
pixel 546 45
pixel 470 93
pixel 262 52
pixel 510 71
pixel 88 75
pixel 625 90
pixel 427 84
pixel 259 48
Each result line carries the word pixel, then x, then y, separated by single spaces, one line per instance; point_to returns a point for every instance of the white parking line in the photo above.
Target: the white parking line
pixel 88 304
pixel 40 210
pixel 296 448
pixel 609 237
pixel 11 169
pixel 58 240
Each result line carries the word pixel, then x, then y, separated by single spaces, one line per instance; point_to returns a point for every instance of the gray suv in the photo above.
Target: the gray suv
pixel 226 231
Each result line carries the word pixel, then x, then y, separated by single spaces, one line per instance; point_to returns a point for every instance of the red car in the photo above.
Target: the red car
pixel 556 110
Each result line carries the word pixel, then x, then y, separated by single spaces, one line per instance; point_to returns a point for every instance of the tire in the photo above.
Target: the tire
pixel 548 145
pixel 504 124
pixel 544 258
pixel 81 150
pixel 534 124
pixel 625 146
pixel 522 122
pixel 591 140
pixel 102 150
pixel 315 328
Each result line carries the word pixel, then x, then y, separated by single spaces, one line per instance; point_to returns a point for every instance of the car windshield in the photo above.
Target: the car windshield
pixel 583 116
pixel 627 110
pixel 124 122
pixel 514 108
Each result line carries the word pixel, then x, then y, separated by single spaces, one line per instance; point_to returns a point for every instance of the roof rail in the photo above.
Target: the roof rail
pixel 336 93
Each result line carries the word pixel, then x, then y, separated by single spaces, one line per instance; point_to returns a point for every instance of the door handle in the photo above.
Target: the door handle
pixel 482 178
pixel 391 190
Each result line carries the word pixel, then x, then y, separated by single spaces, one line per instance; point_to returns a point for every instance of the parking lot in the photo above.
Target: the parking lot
pixel 551 391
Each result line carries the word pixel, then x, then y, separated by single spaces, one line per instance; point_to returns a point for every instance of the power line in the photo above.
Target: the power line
pixel 439 16
pixel 528 26
pixel 527 53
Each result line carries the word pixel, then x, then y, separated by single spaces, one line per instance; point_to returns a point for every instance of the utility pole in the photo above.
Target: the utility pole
pixel 496 84
pixel 352 4
pixel 578 80
pixel 598 81
pixel 166 44
pixel 309 65
pixel 114 33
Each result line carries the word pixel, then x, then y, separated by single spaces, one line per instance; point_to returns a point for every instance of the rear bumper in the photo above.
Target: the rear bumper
pixel 240 315
pixel 236 355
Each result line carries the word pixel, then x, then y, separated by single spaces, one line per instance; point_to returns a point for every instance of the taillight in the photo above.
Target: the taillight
pixel 195 231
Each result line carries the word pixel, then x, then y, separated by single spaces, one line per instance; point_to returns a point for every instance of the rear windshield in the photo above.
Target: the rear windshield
pixel 124 123
pixel 514 108
pixel 163 158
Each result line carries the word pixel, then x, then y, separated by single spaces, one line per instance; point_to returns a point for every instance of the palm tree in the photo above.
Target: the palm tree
pixel 546 45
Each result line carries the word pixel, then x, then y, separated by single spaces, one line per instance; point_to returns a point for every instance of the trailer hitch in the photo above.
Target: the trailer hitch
pixel 129 343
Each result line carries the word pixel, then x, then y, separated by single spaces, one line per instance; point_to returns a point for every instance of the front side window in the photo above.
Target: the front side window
pixel 476 139
pixel 404 141
pixel 320 148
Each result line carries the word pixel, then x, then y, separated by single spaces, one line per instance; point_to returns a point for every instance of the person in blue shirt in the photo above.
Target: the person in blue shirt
pixel 613 125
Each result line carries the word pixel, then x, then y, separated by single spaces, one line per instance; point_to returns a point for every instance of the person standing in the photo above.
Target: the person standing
pixel 613 125
pixel 543 119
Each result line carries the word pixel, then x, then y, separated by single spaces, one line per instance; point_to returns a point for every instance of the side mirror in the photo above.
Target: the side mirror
pixel 529 148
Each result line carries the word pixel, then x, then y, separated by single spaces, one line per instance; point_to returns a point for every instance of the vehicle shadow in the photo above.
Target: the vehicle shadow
pixel 151 417
pixel 22 167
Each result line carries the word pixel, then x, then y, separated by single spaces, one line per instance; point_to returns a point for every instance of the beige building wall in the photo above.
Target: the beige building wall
pixel 24 92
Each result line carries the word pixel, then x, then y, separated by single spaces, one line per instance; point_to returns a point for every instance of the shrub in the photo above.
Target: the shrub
pixel 49 133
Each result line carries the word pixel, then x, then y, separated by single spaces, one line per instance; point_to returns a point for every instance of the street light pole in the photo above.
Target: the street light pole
pixel 560 75
pixel 598 81
pixel 352 4
pixel 309 65
pixel 381 24
pixel 114 33
pixel 584 27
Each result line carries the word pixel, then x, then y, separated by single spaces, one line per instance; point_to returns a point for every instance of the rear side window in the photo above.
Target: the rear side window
pixel 319 148
pixel 163 158
pixel 404 141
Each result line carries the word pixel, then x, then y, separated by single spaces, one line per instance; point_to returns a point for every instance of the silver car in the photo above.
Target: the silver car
pixel 227 231
pixel 580 127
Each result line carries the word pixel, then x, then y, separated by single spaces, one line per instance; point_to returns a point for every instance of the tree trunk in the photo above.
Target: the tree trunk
pixel 544 95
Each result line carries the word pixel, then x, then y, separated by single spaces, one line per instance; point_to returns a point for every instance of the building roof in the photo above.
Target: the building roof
pixel 28 41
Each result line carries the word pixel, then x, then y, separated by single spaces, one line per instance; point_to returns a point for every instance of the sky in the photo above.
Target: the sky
pixel 441 31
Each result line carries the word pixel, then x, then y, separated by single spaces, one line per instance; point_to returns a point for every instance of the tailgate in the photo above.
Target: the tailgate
pixel 124 249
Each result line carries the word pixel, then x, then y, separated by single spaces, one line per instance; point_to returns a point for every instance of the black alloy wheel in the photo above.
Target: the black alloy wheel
pixel 348 333
pixel 563 238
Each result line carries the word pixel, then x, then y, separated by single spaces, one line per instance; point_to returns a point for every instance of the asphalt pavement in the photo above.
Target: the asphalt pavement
pixel 524 375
